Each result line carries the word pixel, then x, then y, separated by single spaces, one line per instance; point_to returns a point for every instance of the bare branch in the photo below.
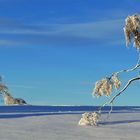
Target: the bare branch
pixel 121 91
pixel 125 87
pixel 131 69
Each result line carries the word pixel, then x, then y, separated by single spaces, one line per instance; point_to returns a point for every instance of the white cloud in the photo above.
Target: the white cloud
pixel 110 30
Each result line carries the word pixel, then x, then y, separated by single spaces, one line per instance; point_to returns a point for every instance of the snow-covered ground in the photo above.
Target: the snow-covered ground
pixel 123 125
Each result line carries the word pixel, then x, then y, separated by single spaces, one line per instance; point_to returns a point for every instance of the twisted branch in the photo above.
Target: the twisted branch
pixel 121 91
pixel 125 87
pixel 131 69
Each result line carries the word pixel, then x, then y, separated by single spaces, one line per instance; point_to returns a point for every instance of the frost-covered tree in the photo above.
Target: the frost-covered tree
pixel 7 97
pixel 107 85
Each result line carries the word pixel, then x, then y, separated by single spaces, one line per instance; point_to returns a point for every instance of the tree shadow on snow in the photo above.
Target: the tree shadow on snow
pixel 21 115
pixel 118 122
pixel 8 112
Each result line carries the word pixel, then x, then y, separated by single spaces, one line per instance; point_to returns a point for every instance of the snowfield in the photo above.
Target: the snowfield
pixel 36 125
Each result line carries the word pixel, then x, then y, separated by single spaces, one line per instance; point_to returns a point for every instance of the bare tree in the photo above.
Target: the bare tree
pixel 107 85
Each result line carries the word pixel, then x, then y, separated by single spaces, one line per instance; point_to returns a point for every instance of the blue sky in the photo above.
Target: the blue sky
pixel 53 51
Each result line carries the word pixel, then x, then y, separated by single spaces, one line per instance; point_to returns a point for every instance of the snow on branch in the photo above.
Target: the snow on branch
pixel 105 86
pixel 132 30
